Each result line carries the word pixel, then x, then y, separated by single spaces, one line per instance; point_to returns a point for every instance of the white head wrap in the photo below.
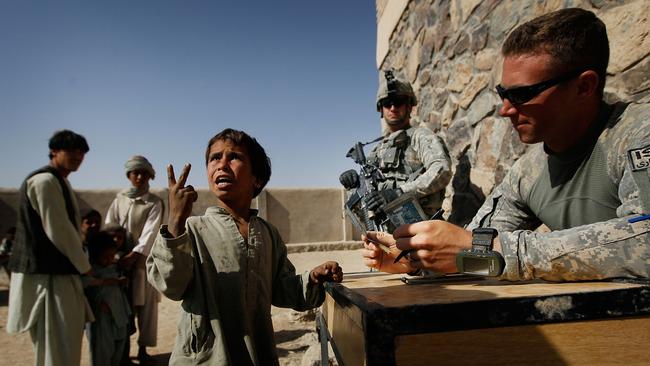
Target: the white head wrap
pixel 139 162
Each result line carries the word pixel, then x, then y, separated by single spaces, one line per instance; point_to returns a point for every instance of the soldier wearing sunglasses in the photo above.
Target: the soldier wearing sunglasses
pixel 411 159
pixel 587 180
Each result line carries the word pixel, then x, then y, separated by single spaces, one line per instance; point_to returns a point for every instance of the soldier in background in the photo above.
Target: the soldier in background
pixel 588 181
pixel 412 159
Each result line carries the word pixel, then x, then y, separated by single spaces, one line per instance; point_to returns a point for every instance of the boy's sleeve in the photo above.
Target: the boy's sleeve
pixel 111 214
pixel 291 290
pixel 170 264
pixel 85 281
pixel 151 225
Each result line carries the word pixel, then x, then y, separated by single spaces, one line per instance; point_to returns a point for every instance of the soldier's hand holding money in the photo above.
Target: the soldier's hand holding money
pixel 349 179
pixel 181 198
pixel 379 252
pixel 435 244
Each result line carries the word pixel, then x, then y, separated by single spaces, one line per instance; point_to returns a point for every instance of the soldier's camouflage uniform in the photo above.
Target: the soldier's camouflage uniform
pixel 586 197
pixel 415 160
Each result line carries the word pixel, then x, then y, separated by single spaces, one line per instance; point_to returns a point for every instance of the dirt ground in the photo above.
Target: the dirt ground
pixel 294 332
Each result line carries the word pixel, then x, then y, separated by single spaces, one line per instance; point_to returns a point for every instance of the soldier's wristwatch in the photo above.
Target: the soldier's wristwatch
pixel 481 259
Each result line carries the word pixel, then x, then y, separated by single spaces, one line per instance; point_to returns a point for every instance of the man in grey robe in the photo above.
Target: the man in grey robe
pixel 46 296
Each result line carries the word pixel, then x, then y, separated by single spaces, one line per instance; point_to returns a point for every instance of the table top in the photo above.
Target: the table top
pixel 389 291
pixel 452 304
pixel 381 309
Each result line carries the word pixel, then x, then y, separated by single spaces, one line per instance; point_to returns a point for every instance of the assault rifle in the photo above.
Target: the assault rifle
pixel 369 178
pixel 404 209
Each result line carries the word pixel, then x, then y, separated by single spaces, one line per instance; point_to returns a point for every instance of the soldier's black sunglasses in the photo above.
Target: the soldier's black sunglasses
pixel 389 102
pixel 522 94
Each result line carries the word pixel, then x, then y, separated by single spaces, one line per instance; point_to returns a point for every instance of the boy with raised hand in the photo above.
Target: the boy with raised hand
pixel 229 266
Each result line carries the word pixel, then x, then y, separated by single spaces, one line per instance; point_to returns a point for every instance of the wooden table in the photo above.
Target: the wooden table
pixel 376 319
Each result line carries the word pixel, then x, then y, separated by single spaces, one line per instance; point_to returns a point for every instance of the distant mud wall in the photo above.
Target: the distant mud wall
pixel 308 219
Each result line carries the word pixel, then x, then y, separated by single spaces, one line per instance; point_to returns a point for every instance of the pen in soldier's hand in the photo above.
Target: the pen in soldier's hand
pixel 436 216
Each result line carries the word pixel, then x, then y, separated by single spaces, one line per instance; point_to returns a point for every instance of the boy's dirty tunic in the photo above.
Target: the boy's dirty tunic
pixel 227 287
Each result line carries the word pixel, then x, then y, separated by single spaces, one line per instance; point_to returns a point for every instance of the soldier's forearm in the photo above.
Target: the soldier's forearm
pixel 609 249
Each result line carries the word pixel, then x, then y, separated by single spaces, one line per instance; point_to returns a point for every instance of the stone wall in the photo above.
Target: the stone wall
pixel 308 219
pixel 449 51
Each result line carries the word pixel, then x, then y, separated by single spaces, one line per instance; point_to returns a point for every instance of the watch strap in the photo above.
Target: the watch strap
pixel 483 238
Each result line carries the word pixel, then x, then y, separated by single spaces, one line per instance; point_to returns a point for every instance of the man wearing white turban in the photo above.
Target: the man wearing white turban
pixel 140 213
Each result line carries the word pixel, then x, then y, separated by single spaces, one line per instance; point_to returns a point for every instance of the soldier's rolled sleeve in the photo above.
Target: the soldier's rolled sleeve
pixel 611 249
pixel 510 251
pixel 436 161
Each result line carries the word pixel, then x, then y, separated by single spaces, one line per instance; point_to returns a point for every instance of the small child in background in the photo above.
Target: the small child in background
pixel 91 222
pixel 5 249
pixel 108 334
pixel 123 244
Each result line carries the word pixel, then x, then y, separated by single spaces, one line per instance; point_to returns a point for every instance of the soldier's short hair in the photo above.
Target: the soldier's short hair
pixel 261 164
pixel 575 38
pixel 67 140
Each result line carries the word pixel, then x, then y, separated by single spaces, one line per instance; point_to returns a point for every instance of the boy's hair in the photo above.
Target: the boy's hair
pixel 113 228
pixel 90 212
pixel 575 38
pixel 261 164
pixel 67 140
pixel 11 230
pixel 98 243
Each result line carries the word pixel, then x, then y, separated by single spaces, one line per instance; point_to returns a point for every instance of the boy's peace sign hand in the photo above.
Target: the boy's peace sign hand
pixel 181 199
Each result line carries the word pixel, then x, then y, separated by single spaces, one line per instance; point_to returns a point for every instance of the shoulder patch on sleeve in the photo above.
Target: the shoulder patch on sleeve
pixel 639 158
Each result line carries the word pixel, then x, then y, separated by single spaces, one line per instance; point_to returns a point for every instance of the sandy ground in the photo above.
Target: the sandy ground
pixel 294 332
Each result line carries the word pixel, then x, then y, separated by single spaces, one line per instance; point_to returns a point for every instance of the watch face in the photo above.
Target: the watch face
pixel 480 263
pixel 476 266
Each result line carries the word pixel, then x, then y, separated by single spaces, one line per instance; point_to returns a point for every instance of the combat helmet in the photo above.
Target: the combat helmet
pixel 389 86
